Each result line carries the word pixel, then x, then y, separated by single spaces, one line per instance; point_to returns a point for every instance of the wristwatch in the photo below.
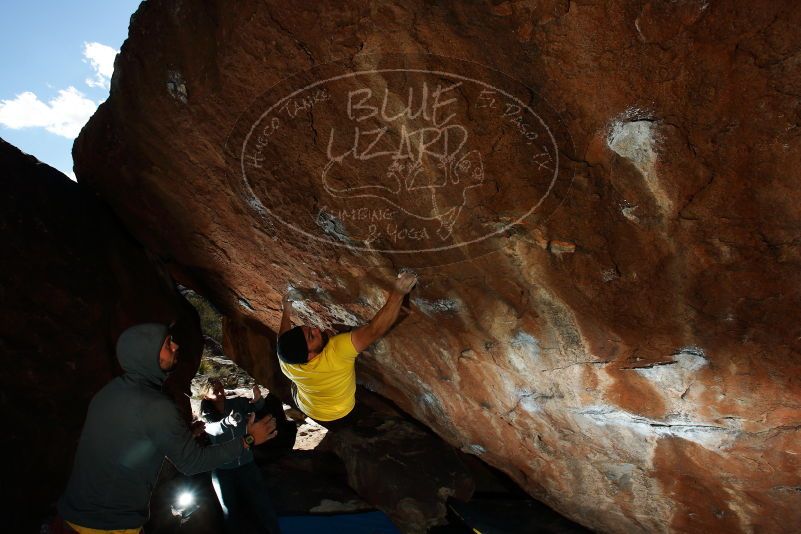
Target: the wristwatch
pixel 249 440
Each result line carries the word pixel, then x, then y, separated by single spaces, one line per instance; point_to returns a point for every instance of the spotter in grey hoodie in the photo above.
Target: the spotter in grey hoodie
pixel 131 426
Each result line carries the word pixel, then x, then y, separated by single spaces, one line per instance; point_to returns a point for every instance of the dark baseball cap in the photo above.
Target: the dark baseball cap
pixel 292 347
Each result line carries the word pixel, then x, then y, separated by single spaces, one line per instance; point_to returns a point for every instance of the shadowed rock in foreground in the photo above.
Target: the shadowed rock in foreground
pixel 72 281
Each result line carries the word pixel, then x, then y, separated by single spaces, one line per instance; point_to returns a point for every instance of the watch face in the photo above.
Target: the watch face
pixel 249 439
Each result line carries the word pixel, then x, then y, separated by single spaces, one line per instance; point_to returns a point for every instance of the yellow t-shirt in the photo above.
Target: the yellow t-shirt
pixel 86 530
pixel 327 384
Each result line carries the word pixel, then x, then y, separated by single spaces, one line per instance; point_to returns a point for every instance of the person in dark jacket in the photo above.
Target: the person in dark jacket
pixel 131 426
pixel 239 484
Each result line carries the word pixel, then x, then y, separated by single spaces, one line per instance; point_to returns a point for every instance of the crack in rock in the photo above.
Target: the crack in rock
pixel 706 435
pixel 245 303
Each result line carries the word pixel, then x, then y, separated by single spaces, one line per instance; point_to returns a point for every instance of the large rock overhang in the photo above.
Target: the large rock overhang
pixel 609 275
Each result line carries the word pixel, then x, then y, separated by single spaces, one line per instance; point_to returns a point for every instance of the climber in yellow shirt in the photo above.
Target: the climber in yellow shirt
pixel 323 370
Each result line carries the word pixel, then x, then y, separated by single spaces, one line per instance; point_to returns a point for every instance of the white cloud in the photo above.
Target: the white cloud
pixel 64 115
pixel 70 175
pixel 101 58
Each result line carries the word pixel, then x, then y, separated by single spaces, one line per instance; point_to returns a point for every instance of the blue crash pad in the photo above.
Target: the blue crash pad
pixel 374 522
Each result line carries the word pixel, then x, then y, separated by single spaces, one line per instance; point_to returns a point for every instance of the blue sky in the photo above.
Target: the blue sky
pixel 55 68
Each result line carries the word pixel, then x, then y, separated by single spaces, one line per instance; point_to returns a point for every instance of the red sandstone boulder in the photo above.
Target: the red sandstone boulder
pixel 601 200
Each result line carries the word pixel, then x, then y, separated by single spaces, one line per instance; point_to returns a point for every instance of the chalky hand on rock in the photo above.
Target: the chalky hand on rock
pixel 405 282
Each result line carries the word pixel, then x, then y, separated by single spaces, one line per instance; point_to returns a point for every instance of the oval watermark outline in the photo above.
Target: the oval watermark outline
pixel 256 203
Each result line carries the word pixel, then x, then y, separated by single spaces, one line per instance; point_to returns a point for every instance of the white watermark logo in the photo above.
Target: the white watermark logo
pixel 413 156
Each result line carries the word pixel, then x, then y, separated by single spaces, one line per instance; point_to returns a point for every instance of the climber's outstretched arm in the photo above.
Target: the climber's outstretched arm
pixel 366 335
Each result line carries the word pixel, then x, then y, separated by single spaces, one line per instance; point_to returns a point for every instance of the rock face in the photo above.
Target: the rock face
pixel 254 346
pixel 72 281
pixel 600 198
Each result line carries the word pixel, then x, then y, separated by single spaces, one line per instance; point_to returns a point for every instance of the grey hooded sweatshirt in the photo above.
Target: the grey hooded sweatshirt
pixel 130 427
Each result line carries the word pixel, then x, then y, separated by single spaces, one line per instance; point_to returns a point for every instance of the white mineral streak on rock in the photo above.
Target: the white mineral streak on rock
pixel 474 448
pixel 708 436
pixel 302 309
pixel 674 378
pixel 343 316
pixel 372 296
pixel 520 350
pixel 635 140
pixel 523 341
pixel 336 314
pixel 437 306
pixel 255 204
pixel 523 352
pixel 532 401
pixel 245 304
pixel 428 404
pixel 743 507
pixel 627 210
